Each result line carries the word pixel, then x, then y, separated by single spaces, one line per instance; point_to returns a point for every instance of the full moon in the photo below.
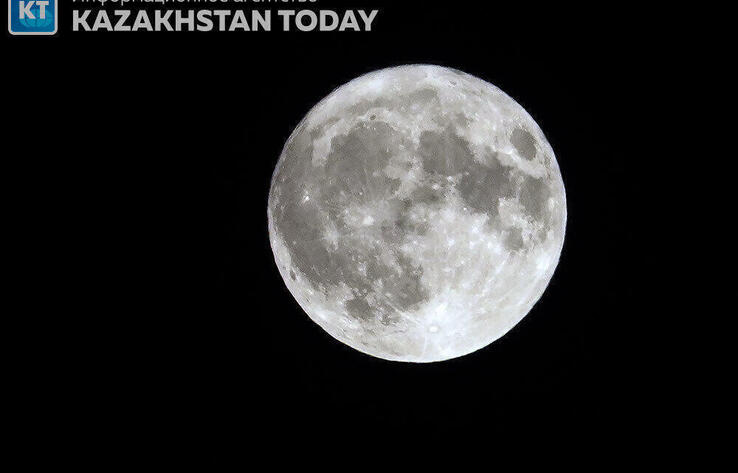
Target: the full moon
pixel 417 213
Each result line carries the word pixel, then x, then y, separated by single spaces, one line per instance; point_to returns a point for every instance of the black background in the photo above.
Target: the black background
pixel 172 326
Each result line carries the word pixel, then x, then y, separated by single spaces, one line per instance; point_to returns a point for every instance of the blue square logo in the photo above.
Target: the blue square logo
pixel 33 17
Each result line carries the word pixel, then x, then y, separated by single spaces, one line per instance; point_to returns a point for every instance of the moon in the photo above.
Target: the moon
pixel 417 213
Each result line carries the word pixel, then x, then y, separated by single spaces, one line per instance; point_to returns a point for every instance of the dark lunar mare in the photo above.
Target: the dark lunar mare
pixel 353 172
pixel 482 185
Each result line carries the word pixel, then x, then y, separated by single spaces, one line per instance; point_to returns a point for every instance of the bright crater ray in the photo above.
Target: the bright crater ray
pixel 417 213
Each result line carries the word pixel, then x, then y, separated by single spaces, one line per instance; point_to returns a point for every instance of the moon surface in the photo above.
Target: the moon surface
pixel 417 213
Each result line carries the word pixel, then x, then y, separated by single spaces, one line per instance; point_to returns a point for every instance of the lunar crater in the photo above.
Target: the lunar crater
pixel 417 213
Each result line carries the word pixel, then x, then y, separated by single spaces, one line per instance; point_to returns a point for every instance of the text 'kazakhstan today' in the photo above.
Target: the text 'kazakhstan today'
pixel 222 20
